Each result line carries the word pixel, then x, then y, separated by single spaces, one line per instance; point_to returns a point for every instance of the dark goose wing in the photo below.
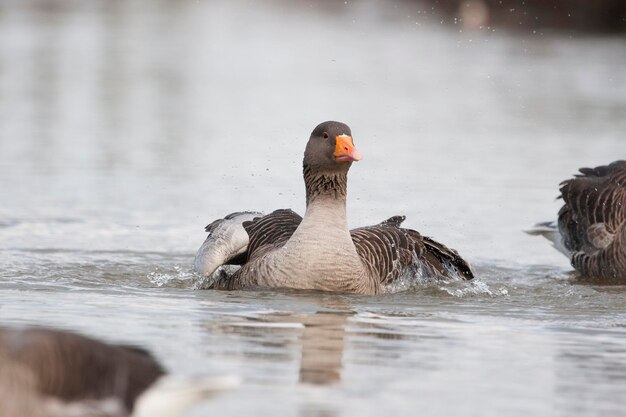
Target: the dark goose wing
pixel 265 233
pixel 271 231
pixel 389 250
pixel 592 220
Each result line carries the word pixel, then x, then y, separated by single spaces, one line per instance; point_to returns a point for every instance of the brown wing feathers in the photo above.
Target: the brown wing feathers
pixel 593 219
pixel 389 250
pixel 270 231
pixel 448 258
pixel 375 245
pixel 265 233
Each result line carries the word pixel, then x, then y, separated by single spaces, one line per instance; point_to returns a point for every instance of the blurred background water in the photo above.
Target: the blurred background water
pixel 126 126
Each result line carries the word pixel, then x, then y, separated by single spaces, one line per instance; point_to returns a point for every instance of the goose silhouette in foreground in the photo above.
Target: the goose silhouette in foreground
pixel 319 252
pixel 591 226
pixel 52 373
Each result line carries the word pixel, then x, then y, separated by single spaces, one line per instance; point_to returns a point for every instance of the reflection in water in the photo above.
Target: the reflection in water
pixel 317 410
pixel 322 337
pixel 321 340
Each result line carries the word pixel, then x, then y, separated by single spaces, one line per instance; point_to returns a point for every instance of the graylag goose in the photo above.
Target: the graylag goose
pixel 319 252
pixel 591 225
pixel 51 373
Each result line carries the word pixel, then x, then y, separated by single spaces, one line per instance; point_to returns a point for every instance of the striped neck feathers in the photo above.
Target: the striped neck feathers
pixel 326 185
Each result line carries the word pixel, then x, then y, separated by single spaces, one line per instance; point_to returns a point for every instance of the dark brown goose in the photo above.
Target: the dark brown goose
pixel 51 373
pixel 318 252
pixel 591 227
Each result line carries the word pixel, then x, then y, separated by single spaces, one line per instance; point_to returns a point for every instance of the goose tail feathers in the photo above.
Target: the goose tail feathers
pixel 550 231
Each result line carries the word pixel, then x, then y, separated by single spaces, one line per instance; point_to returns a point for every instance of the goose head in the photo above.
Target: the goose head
pixel 330 148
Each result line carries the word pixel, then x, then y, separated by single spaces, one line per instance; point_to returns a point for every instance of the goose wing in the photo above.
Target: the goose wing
pixel 389 251
pixel 595 207
pixel 263 234
pixel 239 236
pixel 270 231
pixel 593 217
pixel 226 243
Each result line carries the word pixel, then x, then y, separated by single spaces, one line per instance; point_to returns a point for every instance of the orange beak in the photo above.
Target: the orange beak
pixel 345 150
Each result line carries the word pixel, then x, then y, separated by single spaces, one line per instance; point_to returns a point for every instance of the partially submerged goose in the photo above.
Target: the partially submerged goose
pixel 318 252
pixel 51 373
pixel 591 228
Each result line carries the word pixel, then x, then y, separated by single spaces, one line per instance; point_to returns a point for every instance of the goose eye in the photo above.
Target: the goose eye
pixel 325 135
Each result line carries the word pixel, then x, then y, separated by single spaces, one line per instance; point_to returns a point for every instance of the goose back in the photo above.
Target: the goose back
pixel 592 220
pixel 71 367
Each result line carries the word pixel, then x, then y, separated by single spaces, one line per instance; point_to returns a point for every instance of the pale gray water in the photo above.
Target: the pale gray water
pixel 125 127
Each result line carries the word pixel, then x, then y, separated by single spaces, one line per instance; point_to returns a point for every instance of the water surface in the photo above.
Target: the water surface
pixel 125 127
